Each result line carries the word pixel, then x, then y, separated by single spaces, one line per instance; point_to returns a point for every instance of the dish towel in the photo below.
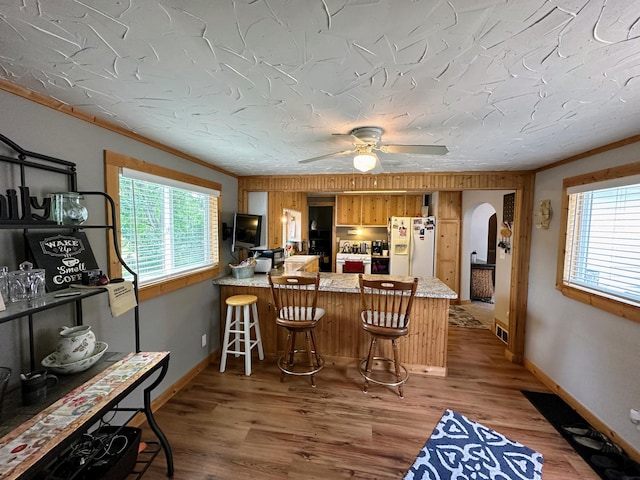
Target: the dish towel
pixel 122 297
pixel 353 267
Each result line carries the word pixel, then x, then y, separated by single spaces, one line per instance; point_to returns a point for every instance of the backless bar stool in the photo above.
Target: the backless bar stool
pixel 386 305
pixel 295 298
pixel 242 314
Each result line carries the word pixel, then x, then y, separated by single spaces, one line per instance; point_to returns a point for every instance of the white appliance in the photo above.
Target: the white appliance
pixel 412 243
pixel 350 260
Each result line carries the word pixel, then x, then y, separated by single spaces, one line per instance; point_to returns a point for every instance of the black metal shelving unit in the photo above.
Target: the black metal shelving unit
pixel 19 214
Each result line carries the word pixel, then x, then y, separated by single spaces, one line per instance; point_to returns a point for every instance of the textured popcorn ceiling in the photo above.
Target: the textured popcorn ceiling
pixel 255 86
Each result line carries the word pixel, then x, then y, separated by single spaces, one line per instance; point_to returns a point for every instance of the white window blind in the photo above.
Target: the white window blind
pixel 603 242
pixel 168 228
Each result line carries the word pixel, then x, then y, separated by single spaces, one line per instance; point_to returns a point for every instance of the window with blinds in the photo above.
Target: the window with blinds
pixel 168 228
pixel 602 250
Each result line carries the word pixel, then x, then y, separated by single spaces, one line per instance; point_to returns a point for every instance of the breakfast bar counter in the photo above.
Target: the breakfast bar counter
pixel 339 334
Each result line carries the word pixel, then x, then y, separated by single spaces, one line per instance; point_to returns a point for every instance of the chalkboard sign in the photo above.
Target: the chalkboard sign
pixel 63 256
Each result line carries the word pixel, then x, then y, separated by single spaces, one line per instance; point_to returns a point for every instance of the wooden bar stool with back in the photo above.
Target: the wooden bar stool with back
pixel 385 315
pixel 295 298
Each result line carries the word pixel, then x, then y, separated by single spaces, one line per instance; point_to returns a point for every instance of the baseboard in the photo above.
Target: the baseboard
pixel 582 410
pixel 165 396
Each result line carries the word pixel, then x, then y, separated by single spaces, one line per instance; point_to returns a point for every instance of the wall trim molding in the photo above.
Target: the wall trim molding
pixel 80 115
pixel 582 410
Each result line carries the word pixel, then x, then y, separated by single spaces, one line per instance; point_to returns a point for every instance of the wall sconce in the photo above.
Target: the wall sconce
pixel 543 215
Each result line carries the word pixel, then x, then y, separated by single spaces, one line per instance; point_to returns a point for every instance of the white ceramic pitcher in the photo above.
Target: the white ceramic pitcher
pixel 75 344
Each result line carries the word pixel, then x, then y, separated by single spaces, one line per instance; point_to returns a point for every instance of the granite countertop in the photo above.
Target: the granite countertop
pixel 430 287
pixel 301 258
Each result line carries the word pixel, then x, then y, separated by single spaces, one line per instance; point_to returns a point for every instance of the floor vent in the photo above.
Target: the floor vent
pixel 502 334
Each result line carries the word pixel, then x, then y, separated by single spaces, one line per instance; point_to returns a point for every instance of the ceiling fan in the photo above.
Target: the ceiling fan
pixel 367 139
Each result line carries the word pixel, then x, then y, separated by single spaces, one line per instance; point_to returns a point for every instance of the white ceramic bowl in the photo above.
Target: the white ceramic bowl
pixel 50 362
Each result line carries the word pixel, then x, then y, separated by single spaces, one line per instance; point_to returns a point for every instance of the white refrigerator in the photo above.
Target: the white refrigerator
pixel 412 242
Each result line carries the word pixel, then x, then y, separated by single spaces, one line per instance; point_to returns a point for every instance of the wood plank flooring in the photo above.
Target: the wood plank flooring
pixel 229 426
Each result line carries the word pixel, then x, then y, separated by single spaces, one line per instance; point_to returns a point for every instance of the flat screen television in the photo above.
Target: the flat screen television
pixel 247 231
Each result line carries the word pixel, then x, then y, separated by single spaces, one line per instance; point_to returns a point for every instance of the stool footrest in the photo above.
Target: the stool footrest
pixel 383 377
pixel 252 344
pixel 303 367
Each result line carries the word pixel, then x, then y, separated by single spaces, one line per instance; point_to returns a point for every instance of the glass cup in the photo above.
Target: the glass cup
pixel 35 386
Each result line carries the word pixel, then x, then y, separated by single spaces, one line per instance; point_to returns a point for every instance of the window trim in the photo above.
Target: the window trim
pixel 112 163
pixel 595 299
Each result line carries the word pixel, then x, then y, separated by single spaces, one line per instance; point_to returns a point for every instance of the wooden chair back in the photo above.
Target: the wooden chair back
pixel 386 303
pixel 295 298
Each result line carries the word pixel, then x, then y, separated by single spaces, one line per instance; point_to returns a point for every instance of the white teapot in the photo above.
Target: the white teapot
pixel 75 344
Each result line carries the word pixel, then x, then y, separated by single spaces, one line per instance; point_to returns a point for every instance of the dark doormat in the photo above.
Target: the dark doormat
pixel 601 455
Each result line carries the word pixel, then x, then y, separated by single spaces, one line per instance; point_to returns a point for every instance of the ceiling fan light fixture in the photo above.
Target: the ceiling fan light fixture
pixel 365 161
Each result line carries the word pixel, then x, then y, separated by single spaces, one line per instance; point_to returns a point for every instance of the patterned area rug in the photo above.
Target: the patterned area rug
pixel 463 449
pixel 459 317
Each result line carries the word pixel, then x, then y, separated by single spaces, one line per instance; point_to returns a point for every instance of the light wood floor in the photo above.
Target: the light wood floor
pixel 228 426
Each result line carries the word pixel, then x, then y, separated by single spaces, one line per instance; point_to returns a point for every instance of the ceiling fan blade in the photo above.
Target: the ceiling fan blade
pixel 415 149
pixel 329 155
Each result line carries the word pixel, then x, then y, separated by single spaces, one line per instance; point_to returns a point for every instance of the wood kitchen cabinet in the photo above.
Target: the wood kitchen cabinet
pixel 362 210
pixel 374 210
pixel 405 205
pixel 396 206
pixel 348 209
pixel 413 205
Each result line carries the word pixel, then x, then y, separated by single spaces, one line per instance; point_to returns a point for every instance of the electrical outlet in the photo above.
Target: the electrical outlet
pixel 204 340
pixel 634 416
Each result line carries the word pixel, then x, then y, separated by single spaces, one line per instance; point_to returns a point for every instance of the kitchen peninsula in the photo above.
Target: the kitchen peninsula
pixel 339 334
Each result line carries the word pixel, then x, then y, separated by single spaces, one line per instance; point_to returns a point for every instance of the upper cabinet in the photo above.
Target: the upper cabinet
pixel 375 210
pixel 413 205
pixel 348 209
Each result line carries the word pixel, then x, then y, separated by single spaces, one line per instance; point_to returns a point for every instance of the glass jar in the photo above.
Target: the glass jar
pixel 66 208
pixel 27 283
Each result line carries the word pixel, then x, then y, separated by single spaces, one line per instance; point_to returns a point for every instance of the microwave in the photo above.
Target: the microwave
pixel 275 254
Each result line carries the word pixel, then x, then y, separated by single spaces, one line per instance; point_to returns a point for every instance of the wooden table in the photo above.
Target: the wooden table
pixel 339 334
pixel 36 442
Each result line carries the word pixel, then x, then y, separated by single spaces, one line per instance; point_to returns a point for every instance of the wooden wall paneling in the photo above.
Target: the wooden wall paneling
pixel 275 219
pixel 521 251
pixel 278 201
pixel 412 182
pixel 448 220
